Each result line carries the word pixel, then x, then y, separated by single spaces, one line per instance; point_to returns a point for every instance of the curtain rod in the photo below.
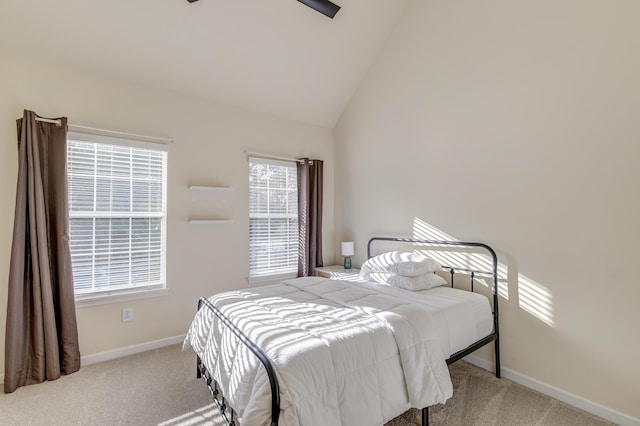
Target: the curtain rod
pixel 271 157
pixel 113 132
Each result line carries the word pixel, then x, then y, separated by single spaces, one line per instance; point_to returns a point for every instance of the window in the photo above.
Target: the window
pixel 117 214
pixel 273 219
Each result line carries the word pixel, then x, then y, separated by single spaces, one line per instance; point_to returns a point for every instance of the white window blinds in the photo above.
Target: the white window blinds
pixel 117 213
pixel 273 218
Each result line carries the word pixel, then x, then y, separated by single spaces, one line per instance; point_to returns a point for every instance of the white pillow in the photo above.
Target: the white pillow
pixel 420 282
pixel 401 263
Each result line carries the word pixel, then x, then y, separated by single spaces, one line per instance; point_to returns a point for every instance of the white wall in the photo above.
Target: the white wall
pixel 208 150
pixel 515 123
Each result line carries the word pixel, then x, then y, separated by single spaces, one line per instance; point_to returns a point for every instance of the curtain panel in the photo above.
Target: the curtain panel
pixel 309 215
pixel 41 340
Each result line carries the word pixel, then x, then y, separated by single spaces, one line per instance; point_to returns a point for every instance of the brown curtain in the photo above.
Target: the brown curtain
pixel 309 216
pixel 41 337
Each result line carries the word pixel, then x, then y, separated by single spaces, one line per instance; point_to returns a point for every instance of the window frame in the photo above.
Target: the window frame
pixel 128 291
pixel 264 277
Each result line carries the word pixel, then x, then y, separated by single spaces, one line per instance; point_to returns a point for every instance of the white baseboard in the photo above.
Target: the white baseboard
pixel 125 351
pixel 130 350
pixel 566 397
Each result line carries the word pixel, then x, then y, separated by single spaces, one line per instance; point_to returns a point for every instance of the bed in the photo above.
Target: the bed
pixel 318 351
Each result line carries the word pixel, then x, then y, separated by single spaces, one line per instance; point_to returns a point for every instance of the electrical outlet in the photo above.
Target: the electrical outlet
pixel 127 314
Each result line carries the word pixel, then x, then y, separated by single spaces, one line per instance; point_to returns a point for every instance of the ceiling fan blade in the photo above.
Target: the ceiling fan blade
pixel 323 6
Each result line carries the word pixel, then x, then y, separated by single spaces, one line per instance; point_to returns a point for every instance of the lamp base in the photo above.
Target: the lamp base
pixel 347 262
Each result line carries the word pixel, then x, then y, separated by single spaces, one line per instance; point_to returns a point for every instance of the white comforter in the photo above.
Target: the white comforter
pixel 345 353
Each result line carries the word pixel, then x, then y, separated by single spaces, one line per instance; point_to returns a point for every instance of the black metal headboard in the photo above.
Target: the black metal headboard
pixel 494 258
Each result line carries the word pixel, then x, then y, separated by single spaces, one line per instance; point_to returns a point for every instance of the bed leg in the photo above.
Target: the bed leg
pixel 198 364
pixel 497 354
pixel 425 416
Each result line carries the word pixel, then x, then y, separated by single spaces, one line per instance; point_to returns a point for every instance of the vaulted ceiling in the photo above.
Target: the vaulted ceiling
pixel 274 56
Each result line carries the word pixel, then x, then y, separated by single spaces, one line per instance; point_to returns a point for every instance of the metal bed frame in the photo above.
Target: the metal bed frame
pixel 230 418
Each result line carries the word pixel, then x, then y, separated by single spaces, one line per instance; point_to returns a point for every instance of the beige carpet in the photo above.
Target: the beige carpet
pixel 159 388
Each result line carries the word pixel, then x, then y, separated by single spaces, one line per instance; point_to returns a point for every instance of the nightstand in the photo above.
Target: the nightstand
pixel 338 272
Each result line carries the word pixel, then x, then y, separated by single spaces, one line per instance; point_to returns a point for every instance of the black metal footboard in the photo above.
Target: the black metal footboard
pixel 212 384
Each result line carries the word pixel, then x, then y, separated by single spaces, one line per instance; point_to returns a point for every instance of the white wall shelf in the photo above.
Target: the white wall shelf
pixel 210 188
pixel 205 193
pixel 205 221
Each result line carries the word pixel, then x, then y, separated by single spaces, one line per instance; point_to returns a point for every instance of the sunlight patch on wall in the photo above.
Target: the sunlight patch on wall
pixel 535 299
pixel 532 297
pixel 480 261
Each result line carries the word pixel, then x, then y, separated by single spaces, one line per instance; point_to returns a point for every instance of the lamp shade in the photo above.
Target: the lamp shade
pixel 347 248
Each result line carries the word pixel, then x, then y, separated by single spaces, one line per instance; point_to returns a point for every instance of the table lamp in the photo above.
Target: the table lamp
pixel 347 251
